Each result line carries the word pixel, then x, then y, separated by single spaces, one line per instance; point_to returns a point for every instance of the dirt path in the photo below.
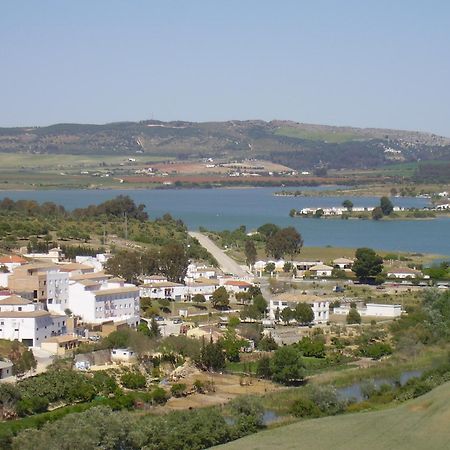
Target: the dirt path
pixel 227 264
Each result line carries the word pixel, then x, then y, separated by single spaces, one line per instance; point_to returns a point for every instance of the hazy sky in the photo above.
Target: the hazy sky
pixel 383 63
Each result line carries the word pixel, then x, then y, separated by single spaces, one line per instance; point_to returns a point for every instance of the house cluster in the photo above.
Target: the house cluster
pixel 339 211
pixel 319 305
pixel 200 279
pixel 46 302
pixel 315 268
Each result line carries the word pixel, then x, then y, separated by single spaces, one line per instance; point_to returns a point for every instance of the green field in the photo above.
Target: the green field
pixel 11 161
pixel 335 137
pixel 418 424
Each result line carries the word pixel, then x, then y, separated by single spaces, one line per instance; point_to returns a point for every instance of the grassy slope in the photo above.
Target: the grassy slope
pixel 317 135
pixel 418 424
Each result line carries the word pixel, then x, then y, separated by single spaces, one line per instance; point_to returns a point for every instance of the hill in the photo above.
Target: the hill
pixel 418 424
pixel 288 143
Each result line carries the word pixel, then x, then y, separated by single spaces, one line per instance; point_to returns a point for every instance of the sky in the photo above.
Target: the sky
pixel 380 63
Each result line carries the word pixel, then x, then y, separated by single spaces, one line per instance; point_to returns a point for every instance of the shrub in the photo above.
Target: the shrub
pixel 159 396
pixel 248 412
pixel 178 390
pixel 305 407
pixel 327 400
pixel 133 380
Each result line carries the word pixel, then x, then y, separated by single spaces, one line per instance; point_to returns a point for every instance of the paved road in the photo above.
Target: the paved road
pixel 227 264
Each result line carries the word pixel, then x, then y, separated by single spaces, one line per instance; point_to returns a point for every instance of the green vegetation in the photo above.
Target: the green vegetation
pixel 336 137
pixel 365 430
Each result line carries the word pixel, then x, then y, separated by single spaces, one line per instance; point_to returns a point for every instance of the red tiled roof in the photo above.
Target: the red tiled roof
pixel 12 259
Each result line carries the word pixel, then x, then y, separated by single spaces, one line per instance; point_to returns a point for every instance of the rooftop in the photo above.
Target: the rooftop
pixel 15 300
pixel 321 267
pixel 120 290
pixel 91 276
pixel 12 259
pixel 299 298
pixel 238 283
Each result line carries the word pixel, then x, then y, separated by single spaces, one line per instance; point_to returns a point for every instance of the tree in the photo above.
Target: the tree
pixel 319 213
pixel 377 213
pixel 268 230
pixel 263 369
pixel 174 262
pixel 286 315
pixel 199 298
pixel 250 252
pixel 367 264
pixel 267 344
pixel 212 356
pixel 125 264
pixel 220 298
pixel 270 267
pixel 312 347
pixel 386 206
pixel 347 204
pixel 154 328
pixel 303 313
pixel 260 303
pixel 287 241
pixel 353 316
pixel 287 365
pixel 231 344
pixel 288 266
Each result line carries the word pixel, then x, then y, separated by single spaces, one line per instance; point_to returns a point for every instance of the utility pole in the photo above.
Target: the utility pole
pixel 126 226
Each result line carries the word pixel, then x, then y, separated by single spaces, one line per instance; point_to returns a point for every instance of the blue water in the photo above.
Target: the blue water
pixel 355 392
pixel 220 209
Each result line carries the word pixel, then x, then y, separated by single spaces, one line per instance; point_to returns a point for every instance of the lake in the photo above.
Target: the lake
pixel 220 209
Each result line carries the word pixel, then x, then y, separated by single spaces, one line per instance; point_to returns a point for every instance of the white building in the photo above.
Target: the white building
pixel 24 320
pixel 54 255
pixel 319 305
pixel 6 369
pixel 97 262
pixel 164 289
pixel 403 273
pixel 372 310
pixel 321 270
pixel 102 300
pixel 237 286
pixel 12 261
pixel 202 286
pixel 343 263
pixel 122 355
pixel 195 271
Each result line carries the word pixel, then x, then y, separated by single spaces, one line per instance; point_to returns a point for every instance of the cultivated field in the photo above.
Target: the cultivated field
pixel 415 425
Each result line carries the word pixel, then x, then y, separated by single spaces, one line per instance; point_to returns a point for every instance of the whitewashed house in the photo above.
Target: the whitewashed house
pixel 98 301
pixel 195 271
pixel 321 270
pixel 25 321
pixel 164 289
pixel 403 273
pixel 202 286
pixel 12 261
pixel 319 305
pixel 343 263
pixel 97 262
pixel 372 310
pixel 237 286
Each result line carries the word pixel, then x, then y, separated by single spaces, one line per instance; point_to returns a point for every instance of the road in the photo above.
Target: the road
pixel 226 264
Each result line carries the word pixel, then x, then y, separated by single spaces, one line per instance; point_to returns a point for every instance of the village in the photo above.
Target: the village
pixel 53 305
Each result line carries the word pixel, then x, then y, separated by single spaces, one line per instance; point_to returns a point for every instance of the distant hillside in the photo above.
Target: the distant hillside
pixel 293 144
pixel 415 425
